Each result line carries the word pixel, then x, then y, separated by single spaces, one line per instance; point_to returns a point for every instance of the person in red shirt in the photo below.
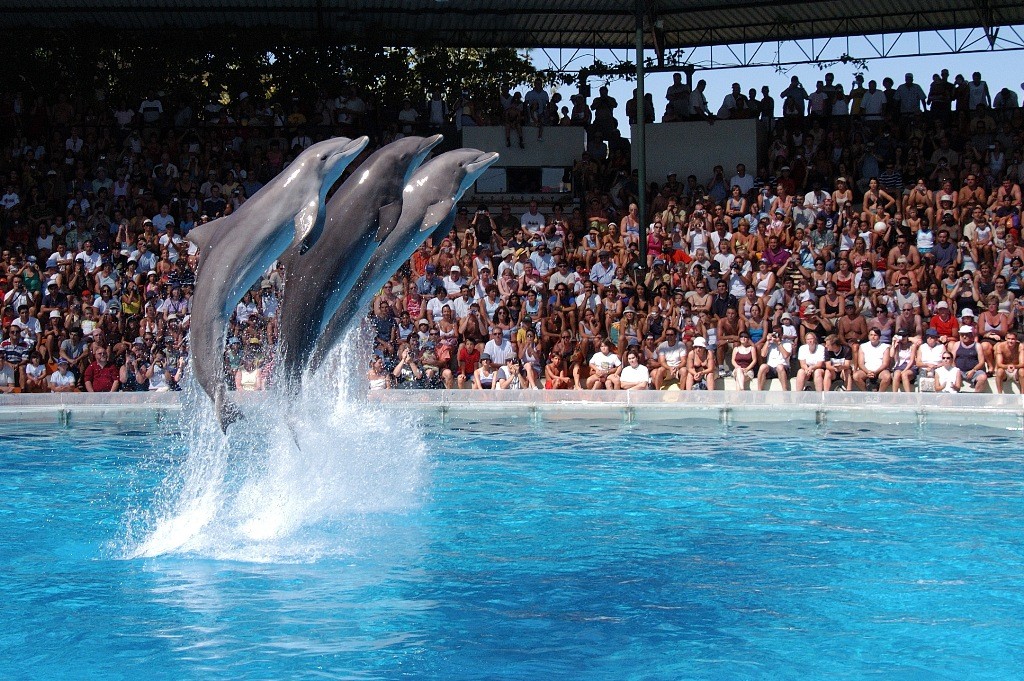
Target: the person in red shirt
pixel 944 323
pixel 468 359
pixel 101 377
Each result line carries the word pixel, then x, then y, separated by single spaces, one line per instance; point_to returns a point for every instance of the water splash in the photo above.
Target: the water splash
pixel 296 480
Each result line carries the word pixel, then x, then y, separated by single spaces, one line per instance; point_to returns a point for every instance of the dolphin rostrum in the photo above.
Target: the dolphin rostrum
pixel 236 249
pixel 428 205
pixel 360 215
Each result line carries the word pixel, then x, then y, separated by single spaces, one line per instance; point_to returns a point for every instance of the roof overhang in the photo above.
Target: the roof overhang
pixel 519 23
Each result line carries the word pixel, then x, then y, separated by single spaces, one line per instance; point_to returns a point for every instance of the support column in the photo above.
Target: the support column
pixel 641 136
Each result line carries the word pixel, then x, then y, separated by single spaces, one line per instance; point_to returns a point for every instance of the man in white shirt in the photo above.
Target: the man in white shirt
pixel 742 180
pixel 462 304
pixel 163 218
pixel 454 282
pixel 873 102
pixel 634 375
pixel 91 258
pixel 815 199
pixel 910 96
pixel 30 327
pixel 173 242
pixel 498 348
pixel 671 360
pixel 10 199
pixel 533 220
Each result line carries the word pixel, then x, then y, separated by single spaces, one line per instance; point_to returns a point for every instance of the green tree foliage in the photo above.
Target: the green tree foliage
pixel 201 71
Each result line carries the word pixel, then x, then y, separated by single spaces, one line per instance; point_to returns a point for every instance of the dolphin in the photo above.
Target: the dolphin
pixel 428 205
pixel 360 215
pixel 236 249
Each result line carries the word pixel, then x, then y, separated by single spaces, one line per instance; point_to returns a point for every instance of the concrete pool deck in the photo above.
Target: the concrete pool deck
pixel 837 409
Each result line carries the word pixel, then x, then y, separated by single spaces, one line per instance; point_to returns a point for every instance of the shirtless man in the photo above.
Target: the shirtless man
pixel 903 249
pixel 729 328
pixel 971 195
pixel 1009 360
pixel 852 327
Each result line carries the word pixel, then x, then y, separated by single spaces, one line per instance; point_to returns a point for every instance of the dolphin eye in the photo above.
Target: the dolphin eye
pixel 324 157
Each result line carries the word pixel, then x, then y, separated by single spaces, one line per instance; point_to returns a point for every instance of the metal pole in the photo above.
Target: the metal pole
pixel 641 137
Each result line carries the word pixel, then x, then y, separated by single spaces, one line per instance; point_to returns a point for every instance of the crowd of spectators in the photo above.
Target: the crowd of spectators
pixel 880 236
pixel 894 229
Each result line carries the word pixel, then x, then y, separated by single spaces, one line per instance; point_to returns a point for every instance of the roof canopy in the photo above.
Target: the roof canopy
pixel 516 23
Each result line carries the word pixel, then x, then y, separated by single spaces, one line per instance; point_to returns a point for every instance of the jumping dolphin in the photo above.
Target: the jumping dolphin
pixel 236 249
pixel 428 205
pixel 360 215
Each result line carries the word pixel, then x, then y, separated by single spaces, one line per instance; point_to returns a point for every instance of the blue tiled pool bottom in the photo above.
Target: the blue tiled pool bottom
pixel 599 552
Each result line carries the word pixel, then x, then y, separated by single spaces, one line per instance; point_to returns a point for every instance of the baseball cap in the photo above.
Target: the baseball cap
pixel 966 329
pixel 931 333
pixel 431 268
pixel 699 342
pixel 54 314
pixel 942 305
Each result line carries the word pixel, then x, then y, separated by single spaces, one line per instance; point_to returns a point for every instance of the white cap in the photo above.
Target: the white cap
pixel 967 312
pixel 966 329
pixel 699 342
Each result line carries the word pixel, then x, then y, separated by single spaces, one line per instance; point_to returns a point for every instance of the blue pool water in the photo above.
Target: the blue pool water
pixel 601 551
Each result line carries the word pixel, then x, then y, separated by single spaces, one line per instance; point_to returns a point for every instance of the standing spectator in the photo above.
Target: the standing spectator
pixel 911 97
pixel 151 109
pixel 536 101
pixel 978 94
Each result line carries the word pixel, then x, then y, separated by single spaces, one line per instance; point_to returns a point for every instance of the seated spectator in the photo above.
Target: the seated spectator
pixel 377 376
pixel 700 366
pixel 510 376
pixel 811 356
pixel 604 365
pixel 872 364
pixel 634 375
pixel 35 379
pixel 10 380
pixel 904 368
pixel 486 375
pixel 62 380
pixel 101 376
pixel 948 378
pixel 969 358
pixel 776 353
pixel 744 361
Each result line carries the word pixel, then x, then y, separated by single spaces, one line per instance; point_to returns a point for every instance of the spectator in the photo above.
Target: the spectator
pixel 101 376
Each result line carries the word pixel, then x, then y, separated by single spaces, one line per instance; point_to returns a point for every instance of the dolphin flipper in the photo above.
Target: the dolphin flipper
pixel 387 219
pixel 436 214
pixel 202 235
pixel 227 411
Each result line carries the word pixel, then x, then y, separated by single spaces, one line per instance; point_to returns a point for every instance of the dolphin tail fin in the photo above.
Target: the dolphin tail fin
pixel 387 220
pixel 227 411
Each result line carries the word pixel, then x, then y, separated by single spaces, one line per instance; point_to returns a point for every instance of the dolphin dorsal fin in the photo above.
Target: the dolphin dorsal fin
pixel 436 214
pixel 203 235
pixel 387 220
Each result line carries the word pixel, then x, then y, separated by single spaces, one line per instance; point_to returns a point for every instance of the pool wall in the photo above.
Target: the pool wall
pixel 451 406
